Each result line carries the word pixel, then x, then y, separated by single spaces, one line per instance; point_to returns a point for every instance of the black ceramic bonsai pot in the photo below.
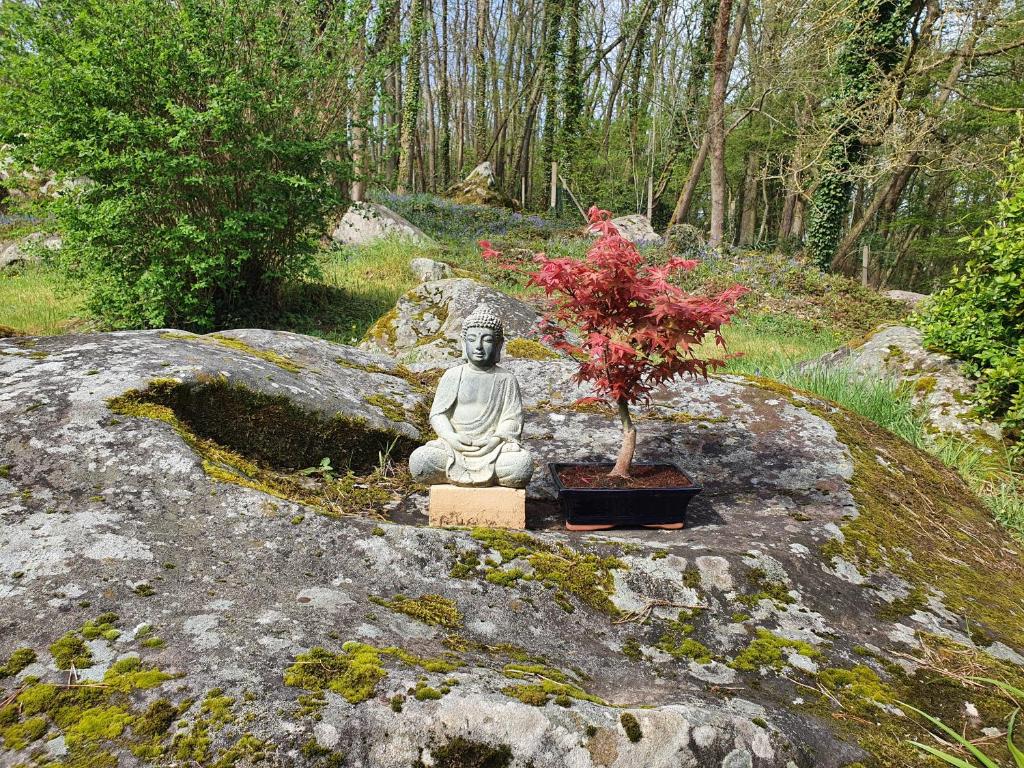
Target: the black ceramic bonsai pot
pixel 609 507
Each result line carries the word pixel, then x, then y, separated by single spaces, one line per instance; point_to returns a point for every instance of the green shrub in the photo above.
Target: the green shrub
pixel 192 140
pixel 979 317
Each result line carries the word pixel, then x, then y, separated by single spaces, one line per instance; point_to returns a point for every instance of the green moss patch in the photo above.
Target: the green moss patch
pixel 542 683
pixel 529 349
pixel 584 575
pixel 71 651
pixel 464 753
pixel 768 650
pixel 764 588
pixel 391 408
pixel 676 641
pixel 20 659
pixel 430 609
pixel 93 718
pixel 354 672
pixel 264 442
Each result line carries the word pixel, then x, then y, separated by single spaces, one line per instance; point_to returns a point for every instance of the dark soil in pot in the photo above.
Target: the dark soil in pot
pixel 643 476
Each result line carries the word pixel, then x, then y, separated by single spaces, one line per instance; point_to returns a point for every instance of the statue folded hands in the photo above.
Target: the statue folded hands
pixel 478 417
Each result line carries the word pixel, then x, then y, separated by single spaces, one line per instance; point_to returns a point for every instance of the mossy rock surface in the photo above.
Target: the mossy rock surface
pixel 827 571
pixel 936 383
pixel 424 329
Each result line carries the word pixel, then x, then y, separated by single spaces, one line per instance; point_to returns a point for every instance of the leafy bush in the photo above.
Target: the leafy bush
pixel 979 317
pixel 195 136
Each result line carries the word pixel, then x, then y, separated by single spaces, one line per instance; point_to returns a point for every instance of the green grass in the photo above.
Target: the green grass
pixel 768 345
pixel 34 299
pixel 357 285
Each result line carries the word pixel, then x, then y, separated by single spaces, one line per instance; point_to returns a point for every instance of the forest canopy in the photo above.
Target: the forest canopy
pixel 775 124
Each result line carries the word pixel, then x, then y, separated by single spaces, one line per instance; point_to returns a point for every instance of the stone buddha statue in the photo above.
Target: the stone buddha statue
pixel 477 415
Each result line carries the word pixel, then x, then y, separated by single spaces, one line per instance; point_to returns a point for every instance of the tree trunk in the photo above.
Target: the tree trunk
pixel 716 123
pixel 411 98
pixel 480 83
pixel 625 458
pixel 748 215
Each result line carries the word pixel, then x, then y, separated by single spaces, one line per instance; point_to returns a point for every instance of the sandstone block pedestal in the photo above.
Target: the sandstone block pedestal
pixel 486 507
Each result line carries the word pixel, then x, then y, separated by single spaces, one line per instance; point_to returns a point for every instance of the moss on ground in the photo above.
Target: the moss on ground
pixel 384 331
pixel 904 606
pixel 584 575
pixel 435 610
pixel 464 753
pixel 262 442
pixel 541 683
pixel 99 720
pixel 71 651
pixel 389 406
pixel 676 641
pixel 631 727
pixel 20 659
pixel 354 672
pixel 764 588
pixel 768 650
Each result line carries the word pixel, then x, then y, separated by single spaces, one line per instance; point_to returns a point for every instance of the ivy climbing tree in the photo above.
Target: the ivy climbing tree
pixel 874 44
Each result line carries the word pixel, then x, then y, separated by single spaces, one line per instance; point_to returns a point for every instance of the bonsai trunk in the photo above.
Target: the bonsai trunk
pixel 625 458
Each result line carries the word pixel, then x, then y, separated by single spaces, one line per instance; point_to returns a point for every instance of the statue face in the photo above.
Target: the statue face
pixel 483 347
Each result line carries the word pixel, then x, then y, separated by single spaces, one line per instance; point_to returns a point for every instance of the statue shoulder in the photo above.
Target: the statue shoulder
pixel 447 390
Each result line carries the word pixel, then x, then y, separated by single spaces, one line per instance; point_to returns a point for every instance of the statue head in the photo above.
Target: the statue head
pixel 482 337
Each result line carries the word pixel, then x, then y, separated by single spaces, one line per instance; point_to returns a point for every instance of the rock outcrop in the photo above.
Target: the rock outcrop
pixel 910 298
pixel 638 230
pixel 367 223
pixel 480 188
pixel 424 330
pixel 428 270
pixel 218 607
pixel 29 250
pixel 945 395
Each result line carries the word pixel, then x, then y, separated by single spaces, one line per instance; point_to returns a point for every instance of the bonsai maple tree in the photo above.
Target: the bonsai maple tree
pixel 636 329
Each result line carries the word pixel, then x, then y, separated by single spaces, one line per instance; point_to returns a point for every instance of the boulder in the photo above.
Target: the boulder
pixel 909 298
pixel 686 240
pixel 157 538
pixel 944 393
pixel 424 330
pixel 28 250
pixel 428 270
pixel 638 230
pixel 367 223
pixel 480 188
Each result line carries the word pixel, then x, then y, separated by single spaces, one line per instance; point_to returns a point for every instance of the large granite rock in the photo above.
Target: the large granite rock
pixel 909 298
pixel 638 230
pixel 945 395
pixel 368 223
pixel 428 270
pixel 424 330
pixel 827 571
pixel 480 188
